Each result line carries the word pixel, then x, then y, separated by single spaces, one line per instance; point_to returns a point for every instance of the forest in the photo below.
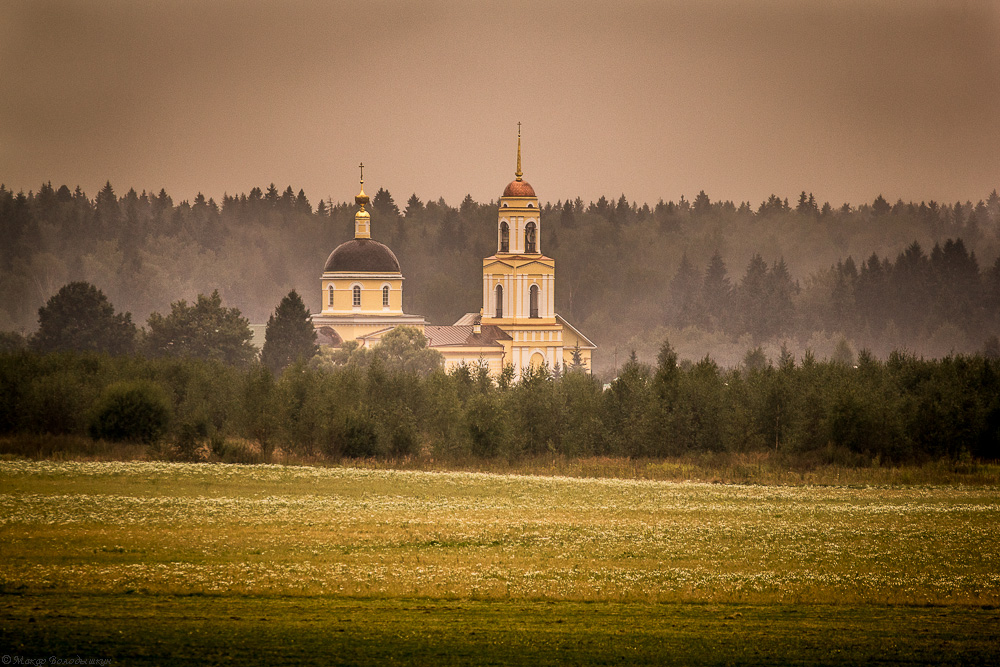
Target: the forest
pixel 715 277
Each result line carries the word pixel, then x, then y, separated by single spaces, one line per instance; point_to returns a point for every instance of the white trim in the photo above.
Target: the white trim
pixel 361 276
pixel 320 320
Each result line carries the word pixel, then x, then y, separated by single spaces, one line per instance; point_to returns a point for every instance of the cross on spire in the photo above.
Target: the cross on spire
pixel 362 165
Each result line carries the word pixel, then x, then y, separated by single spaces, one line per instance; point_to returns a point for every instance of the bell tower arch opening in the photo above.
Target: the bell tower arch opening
pixel 530 237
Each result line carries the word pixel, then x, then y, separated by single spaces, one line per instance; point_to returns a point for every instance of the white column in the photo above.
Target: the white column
pixel 526 296
pixel 522 289
pixel 508 296
pixel 509 286
pixel 552 296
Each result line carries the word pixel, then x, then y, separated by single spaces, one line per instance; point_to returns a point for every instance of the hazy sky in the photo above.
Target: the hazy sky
pixel 843 98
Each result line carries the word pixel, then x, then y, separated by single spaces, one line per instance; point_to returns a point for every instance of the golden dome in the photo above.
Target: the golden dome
pixel 361 198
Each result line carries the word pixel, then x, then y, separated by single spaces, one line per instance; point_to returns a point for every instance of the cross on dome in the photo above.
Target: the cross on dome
pixel 361 199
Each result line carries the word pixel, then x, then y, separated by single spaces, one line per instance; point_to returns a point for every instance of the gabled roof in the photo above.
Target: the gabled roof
pixel 589 344
pixel 377 334
pixel 465 335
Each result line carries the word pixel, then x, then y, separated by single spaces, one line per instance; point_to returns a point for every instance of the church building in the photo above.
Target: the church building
pixel 363 295
pixel 362 286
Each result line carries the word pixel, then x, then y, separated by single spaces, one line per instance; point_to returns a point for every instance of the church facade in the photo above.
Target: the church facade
pixel 363 295
pixel 362 286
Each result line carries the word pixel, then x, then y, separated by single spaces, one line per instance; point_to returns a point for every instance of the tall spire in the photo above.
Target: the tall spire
pixel 518 174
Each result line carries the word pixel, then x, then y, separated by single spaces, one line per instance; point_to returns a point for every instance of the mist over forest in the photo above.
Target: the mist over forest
pixel 715 277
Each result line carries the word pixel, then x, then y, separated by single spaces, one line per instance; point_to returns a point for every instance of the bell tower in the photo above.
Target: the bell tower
pixel 519 281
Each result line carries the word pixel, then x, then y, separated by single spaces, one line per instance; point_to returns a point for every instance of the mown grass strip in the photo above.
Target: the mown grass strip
pixel 223 630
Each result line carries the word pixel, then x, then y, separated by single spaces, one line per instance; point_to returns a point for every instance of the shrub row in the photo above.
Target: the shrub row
pixel 900 410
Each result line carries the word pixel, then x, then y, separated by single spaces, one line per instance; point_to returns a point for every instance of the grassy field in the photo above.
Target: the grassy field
pixel 160 563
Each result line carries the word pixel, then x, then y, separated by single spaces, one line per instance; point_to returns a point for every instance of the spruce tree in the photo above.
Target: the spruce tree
pixel 290 335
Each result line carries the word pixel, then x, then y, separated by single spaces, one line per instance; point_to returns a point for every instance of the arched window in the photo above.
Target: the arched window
pixel 504 237
pixel 529 237
pixel 499 296
pixel 329 300
pixel 533 301
pixel 385 296
pixel 357 296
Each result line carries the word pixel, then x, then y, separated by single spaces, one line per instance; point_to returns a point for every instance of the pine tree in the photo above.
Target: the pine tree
pixel 701 205
pixel 290 335
pixel 109 213
pixel 753 299
pixel 716 295
pixel 685 294
pixel 880 206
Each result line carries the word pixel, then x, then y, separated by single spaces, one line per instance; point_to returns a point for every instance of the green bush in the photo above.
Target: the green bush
pixel 135 411
pixel 190 436
pixel 487 426
pixel 359 436
pixel 401 433
pixel 57 403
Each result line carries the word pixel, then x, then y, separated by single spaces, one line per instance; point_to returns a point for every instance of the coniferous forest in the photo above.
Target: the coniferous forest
pixel 715 277
pixel 805 352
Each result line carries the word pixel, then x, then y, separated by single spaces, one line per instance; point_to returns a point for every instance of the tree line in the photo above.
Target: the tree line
pixel 918 276
pixel 914 297
pixel 192 379
pixel 387 402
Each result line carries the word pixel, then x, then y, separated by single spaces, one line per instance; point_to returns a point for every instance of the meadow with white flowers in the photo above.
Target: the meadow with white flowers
pixel 173 528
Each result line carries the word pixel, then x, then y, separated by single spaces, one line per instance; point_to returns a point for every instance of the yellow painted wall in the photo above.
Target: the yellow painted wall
pixel 371 296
